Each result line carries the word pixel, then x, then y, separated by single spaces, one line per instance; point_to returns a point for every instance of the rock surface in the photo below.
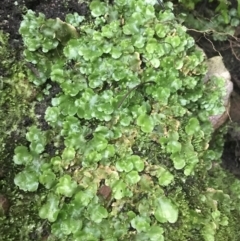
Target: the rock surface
pixel 217 68
pixel 235 107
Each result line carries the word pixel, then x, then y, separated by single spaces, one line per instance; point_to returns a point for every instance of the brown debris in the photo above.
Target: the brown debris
pixel 105 192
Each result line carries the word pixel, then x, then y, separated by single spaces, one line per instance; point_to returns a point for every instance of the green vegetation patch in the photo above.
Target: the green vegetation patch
pixel 130 127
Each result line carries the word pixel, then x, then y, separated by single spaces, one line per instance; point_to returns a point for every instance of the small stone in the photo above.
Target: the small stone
pixel 105 191
pixel 217 68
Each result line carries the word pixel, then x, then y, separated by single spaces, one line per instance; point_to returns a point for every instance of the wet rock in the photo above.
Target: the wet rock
pixel 217 68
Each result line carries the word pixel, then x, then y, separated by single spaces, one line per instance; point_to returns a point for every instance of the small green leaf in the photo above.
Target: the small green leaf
pixel 152 46
pixel 173 135
pixel 208 231
pixel 155 233
pixel 84 197
pixel 71 87
pixel 166 16
pixel 149 32
pixel 132 177
pixel 121 2
pixel 22 156
pixel 91 157
pixel 164 177
pixel 49 44
pixel 131 28
pixel 119 74
pixel 97 213
pixel 161 94
pixel 50 210
pixel 124 165
pixel 27 180
pixel 178 110
pixel 95 81
pixel 235 21
pixel 37 147
pixel 173 146
pixel 66 186
pixel 179 64
pixel 98 8
pixel 192 160
pixel 70 126
pixel 176 84
pixel 138 41
pixel 146 123
pixel 68 154
pixel 35 134
pixel 99 142
pixel 161 30
pixel 56 163
pixel 116 52
pixel 155 62
pixel 125 121
pixel 65 225
pixel 67 106
pixel 74 19
pixel 178 160
pixel 193 126
pixel 166 210
pixel 108 152
pixel 137 162
pixel 90 52
pixel 119 189
pixel 141 224
pixel 37 139
pixel 47 178
pixel 107 32
pixel 173 40
pixel 224 221
pixel 47 31
pixel 71 50
pixel 126 46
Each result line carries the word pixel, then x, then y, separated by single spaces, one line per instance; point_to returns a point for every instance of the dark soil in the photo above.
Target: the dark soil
pixel 11 14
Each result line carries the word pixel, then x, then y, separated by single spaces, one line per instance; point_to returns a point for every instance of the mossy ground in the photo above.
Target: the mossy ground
pixel 19 218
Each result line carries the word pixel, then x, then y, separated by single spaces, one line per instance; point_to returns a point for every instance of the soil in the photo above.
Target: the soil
pixel 11 14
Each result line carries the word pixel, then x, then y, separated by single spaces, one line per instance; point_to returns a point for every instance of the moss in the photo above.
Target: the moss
pixel 20 218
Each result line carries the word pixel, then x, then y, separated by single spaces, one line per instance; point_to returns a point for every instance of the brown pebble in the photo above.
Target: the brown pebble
pixel 105 191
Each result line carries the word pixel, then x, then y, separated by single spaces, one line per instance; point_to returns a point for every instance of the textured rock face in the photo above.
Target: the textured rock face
pixel 217 68
pixel 234 130
pixel 235 107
